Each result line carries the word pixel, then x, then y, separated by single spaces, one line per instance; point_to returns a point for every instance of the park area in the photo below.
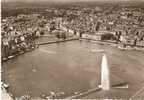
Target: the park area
pixel 69 68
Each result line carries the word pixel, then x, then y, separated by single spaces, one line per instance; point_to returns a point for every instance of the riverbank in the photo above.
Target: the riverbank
pixel 50 39
pixel 115 44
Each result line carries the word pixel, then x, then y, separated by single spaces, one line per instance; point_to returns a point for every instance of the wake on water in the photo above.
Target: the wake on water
pixel 93 50
pixel 47 51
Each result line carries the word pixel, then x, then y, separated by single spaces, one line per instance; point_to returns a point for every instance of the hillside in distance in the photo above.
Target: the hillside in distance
pixel 15 8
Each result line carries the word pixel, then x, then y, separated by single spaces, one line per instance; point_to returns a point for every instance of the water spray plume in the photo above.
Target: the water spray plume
pixel 105 74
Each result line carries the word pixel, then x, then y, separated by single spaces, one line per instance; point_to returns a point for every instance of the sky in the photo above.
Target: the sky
pixel 62 0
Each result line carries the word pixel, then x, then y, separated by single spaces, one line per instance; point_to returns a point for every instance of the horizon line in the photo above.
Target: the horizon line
pixel 65 1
